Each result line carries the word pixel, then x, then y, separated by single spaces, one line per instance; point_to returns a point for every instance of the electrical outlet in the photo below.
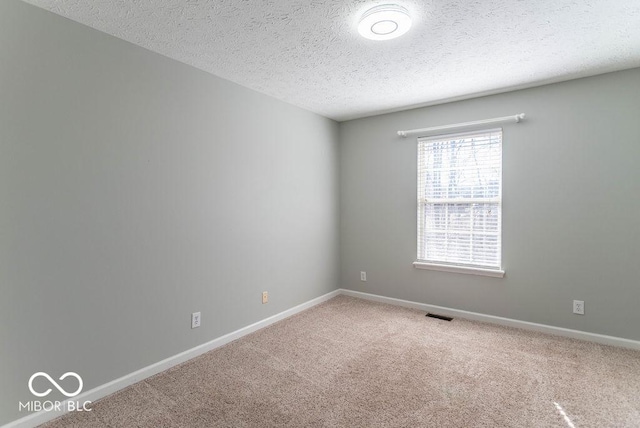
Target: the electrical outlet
pixel 265 297
pixel 363 276
pixel 195 320
pixel 578 307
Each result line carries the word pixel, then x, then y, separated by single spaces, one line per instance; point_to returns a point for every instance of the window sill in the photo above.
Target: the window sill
pixel 459 269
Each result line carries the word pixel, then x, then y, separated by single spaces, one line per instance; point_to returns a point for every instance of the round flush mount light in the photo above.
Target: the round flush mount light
pixel 384 22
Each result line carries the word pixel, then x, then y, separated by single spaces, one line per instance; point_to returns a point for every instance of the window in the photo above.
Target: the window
pixel 460 202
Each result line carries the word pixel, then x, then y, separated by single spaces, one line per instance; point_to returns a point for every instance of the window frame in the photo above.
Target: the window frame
pixel 497 272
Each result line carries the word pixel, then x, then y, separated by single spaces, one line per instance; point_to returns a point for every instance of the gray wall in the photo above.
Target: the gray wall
pixel 135 190
pixel 571 215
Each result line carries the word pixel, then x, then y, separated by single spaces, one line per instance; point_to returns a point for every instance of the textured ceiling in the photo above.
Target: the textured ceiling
pixel 309 52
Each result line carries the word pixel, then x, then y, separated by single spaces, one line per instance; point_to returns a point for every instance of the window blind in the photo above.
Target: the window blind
pixel 460 199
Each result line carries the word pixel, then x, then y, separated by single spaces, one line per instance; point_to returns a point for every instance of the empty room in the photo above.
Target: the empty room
pixel 319 213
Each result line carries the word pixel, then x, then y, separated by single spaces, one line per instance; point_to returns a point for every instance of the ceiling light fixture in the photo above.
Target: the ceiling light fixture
pixel 384 22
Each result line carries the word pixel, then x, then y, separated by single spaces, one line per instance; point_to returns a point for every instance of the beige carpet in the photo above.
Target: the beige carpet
pixel 354 363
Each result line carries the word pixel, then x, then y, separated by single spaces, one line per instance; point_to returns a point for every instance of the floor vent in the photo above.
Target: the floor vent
pixel 440 317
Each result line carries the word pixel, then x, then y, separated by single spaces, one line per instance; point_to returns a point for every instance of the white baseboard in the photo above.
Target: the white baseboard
pixel 525 325
pixel 35 419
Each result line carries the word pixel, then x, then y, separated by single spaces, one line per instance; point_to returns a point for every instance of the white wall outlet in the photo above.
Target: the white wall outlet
pixel 195 320
pixel 265 297
pixel 578 307
pixel 363 276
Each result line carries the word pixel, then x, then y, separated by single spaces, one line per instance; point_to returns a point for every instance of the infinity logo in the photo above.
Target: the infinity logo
pixel 53 382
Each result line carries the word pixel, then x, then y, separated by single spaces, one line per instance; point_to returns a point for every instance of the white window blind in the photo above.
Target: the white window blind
pixel 460 199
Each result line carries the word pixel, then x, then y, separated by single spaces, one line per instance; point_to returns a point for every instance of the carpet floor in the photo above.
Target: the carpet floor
pixel 354 363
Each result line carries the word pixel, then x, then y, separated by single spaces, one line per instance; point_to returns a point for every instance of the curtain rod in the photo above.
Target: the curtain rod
pixel 514 118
